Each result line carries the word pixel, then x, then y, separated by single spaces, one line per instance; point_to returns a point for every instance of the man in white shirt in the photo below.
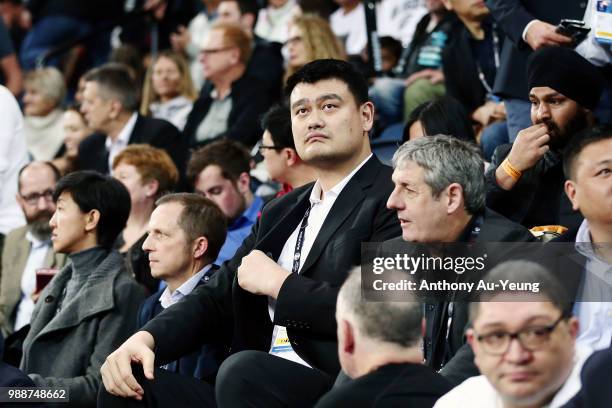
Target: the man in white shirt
pixel 274 301
pixel 588 168
pixel 110 103
pixel 186 232
pixel 524 344
pixel 28 248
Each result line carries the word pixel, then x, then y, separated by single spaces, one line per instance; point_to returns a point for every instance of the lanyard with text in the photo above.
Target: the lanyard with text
pixel 299 242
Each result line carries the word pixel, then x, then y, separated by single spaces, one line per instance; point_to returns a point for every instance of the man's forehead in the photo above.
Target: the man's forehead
pixel 544 92
pixel 595 154
pixel 312 91
pixel 406 171
pixel 165 215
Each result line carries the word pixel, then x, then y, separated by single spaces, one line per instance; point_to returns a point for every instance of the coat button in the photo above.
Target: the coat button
pixel 49 299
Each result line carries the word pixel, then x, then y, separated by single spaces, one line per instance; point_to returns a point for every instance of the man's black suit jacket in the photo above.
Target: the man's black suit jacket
pixel 156 132
pixel 392 385
pixel 221 310
pixel 450 351
pixel 513 16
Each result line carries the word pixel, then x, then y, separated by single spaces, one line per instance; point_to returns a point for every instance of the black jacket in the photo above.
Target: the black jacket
pixel 156 132
pixel 538 198
pixel 450 351
pixel 250 99
pixel 513 16
pixel 392 385
pixel 203 363
pixel 461 69
pixel 306 302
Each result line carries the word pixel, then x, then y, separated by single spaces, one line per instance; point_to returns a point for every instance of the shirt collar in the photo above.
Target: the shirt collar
pixel 249 215
pixel 124 136
pixel 166 299
pixel 36 243
pixel 315 194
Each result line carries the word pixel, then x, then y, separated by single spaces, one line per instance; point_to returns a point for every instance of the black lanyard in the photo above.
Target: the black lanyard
pixel 481 74
pixel 300 242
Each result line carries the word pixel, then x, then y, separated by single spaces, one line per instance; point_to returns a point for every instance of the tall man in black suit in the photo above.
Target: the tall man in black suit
pixel 274 301
pixel 439 196
pixel 529 25
pixel 110 104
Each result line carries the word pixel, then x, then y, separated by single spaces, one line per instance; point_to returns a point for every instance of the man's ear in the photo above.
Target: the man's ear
pixel 200 246
pixel 570 191
pixel 248 21
pixel 367 116
pixel 243 182
pixel 447 4
pixel 116 107
pixel 348 337
pixel 455 200
pixel 92 218
pixel 290 155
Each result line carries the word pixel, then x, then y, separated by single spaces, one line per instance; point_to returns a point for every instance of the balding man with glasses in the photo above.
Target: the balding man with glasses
pixel 28 249
pixel 524 344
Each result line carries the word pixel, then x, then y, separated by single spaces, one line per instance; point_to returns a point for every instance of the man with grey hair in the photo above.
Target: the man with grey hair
pixel 110 104
pixel 379 345
pixel 439 197
pixel 524 343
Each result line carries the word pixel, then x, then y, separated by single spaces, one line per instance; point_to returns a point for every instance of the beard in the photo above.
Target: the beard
pixel 559 137
pixel 39 226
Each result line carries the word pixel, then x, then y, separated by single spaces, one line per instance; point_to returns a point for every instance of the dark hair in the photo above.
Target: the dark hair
pixel 91 190
pixel 116 81
pixel 581 140
pixel 442 116
pixel 388 321
pixel 200 217
pixel 232 157
pixel 277 120
pixel 322 69
pixel 392 45
pixel 247 7
pixel 525 272
pixel 52 166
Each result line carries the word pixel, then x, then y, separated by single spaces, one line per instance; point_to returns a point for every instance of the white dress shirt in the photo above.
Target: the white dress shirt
pixel 36 259
pixel 595 316
pixel 114 147
pixel 167 298
pixel 477 392
pixel 321 204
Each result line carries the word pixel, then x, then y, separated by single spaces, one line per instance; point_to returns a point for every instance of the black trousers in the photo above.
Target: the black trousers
pixel 167 389
pixel 245 379
pixel 258 379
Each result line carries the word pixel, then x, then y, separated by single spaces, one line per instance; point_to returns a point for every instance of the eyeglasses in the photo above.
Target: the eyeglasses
pixel 32 199
pixel 293 40
pixel 530 338
pixel 210 51
pixel 264 147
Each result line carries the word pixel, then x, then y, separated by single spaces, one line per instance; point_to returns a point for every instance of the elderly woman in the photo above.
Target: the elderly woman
pixel 44 95
pixel 311 38
pixel 89 308
pixel 147 173
pixel 168 90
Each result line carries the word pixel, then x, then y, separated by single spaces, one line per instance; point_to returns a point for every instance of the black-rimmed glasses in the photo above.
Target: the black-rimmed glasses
pixel 33 198
pixel 531 338
pixel 261 148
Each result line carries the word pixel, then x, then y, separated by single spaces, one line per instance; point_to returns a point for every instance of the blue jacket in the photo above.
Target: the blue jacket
pixel 202 364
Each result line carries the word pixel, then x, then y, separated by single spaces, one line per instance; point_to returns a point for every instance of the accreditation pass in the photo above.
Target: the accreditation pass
pixel 33 394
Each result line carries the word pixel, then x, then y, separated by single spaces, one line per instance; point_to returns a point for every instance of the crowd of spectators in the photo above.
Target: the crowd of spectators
pixel 185 188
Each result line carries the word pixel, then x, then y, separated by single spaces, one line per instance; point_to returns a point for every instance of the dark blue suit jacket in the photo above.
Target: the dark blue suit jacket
pixel 203 363
pixel 13 377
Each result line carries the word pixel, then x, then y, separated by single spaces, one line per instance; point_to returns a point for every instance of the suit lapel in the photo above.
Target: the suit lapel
pixel 349 199
pixel 274 238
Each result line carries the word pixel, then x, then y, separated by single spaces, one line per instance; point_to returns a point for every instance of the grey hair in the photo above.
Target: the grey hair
pixel 446 160
pixel 391 322
pixel 49 81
